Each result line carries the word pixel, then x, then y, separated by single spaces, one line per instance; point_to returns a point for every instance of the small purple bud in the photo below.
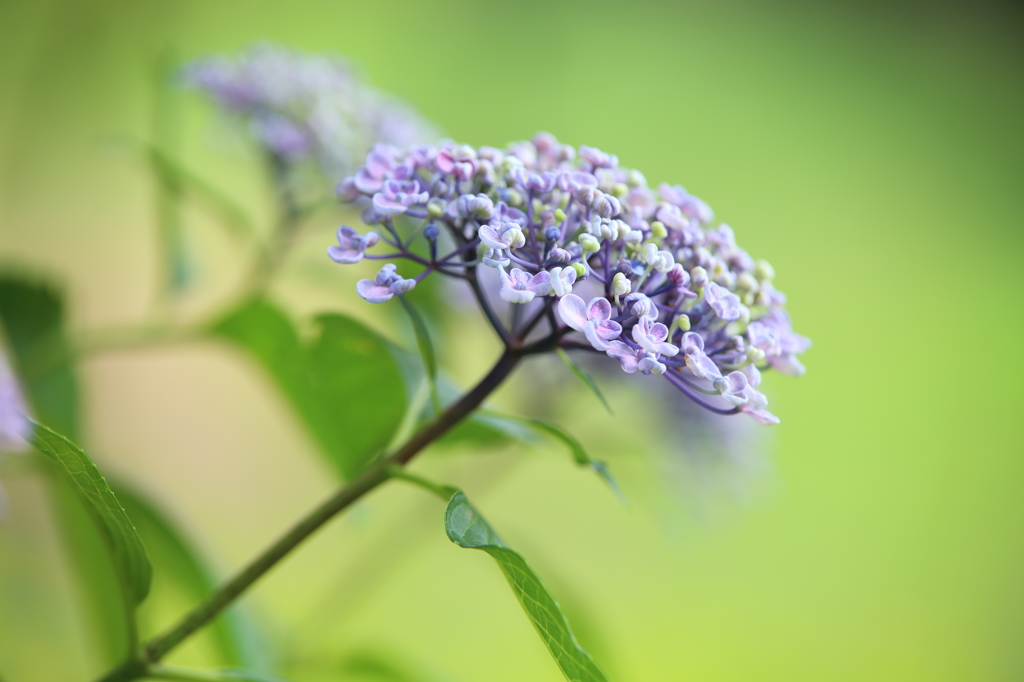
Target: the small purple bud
pixel 346 191
pixel 552 234
pixel 431 231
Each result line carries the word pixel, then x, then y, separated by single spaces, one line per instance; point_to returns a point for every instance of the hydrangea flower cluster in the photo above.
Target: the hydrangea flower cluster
pixel 303 106
pixel 644 276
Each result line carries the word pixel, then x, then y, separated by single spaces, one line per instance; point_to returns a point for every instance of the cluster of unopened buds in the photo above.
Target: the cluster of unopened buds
pixel 663 290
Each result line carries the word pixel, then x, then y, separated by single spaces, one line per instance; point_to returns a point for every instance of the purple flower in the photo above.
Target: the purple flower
pixel 461 162
pixel 300 106
pixel 379 162
pixel 386 284
pixel 725 304
pixel 652 337
pixel 689 204
pixel 504 236
pixel 658 267
pixel 352 245
pixel 397 196
pixel 562 280
pixel 696 360
pixel 732 387
pixel 597 158
pixel 756 402
pixel 631 359
pixel 593 319
pixel 521 287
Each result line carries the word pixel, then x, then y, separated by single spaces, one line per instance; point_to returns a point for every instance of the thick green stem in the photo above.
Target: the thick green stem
pixel 369 479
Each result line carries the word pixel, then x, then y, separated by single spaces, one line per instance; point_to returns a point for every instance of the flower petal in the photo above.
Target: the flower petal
pixel 572 311
pixel 599 309
pixel 372 292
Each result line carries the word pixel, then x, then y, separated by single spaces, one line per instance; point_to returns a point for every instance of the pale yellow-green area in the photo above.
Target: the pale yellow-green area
pixel 874 154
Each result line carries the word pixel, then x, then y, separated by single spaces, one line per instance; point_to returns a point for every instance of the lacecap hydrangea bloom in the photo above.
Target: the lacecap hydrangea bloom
pixel 301 106
pixel 609 264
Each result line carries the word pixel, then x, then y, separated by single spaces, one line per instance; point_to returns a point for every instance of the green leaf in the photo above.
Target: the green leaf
pixel 130 558
pixel 33 318
pixel 110 629
pixel 426 347
pixel 179 571
pixel 467 528
pixel 585 377
pixel 32 315
pixel 344 383
pixel 578 453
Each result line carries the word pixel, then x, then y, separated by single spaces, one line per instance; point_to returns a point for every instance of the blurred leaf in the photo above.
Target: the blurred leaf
pixel 33 317
pixel 585 377
pixel 185 182
pixel 130 558
pixel 575 447
pixel 173 672
pixel 467 528
pixel 345 384
pixel 96 581
pixel 177 566
pixel 426 349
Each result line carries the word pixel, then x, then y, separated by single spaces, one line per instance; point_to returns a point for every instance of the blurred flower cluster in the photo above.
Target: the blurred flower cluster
pixel 301 106
pixel 666 291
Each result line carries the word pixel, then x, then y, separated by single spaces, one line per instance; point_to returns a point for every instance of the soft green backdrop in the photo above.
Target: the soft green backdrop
pixel 873 153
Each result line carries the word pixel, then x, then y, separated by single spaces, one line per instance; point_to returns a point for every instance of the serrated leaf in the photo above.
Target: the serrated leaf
pixel 585 377
pixel 344 384
pixel 467 528
pixel 178 568
pixel 130 558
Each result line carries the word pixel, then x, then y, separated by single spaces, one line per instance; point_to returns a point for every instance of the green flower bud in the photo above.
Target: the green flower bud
pixel 619 190
pixel 580 269
pixel 559 215
pixel 435 207
pixel 658 230
pixel 620 285
pixel 682 322
pixel 589 243
pixel 764 271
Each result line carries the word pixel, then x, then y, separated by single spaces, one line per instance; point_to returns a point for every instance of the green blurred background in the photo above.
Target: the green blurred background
pixel 874 153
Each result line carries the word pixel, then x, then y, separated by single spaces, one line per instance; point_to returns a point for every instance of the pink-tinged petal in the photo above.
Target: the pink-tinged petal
pixel 693 343
pixel 540 284
pixel 753 375
pixel 763 416
pixel 372 292
pixel 490 237
pixel 366 183
pixel 702 366
pixel 346 235
pixel 573 311
pixel 788 364
pixel 516 295
pixel 517 276
pixel 608 330
pixel 625 355
pixel 386 206
pixel 599 309
pixel 344 256
pixel 444 161
pixel 659 332
pixel 593 337
pixel 377 163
